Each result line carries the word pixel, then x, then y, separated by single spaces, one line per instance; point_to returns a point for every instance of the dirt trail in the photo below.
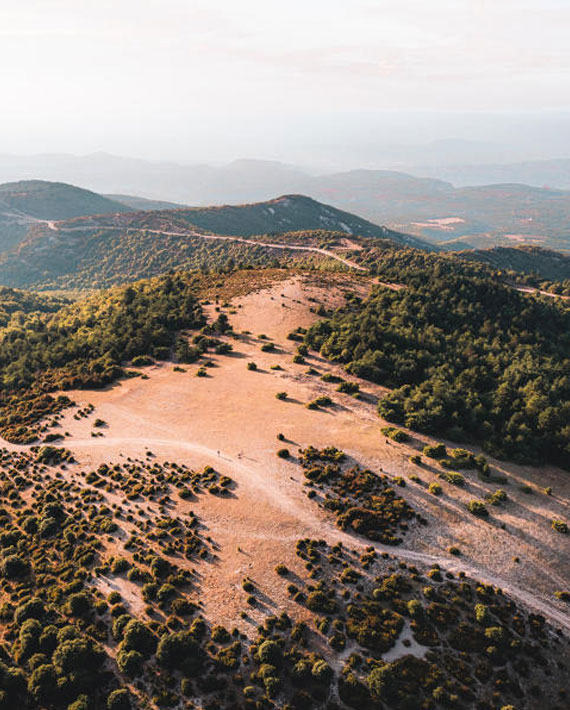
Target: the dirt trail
pixel 217 237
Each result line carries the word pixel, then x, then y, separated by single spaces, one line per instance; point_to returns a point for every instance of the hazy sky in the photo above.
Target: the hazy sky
pixel 198 78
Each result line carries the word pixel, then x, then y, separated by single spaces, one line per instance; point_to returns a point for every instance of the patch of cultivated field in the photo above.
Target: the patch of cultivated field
pixel 231 419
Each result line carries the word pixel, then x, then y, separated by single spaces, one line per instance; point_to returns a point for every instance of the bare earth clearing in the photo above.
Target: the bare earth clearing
pixel 230 420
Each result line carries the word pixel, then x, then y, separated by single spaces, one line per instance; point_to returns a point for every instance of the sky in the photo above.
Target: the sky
pixel 199 79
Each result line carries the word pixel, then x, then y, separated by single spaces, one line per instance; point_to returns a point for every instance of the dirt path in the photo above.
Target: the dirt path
pixel 530 289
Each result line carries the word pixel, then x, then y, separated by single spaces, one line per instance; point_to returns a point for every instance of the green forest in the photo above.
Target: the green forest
pixel 467 356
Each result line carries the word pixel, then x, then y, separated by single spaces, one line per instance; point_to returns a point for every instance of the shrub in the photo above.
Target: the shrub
pixel 348 387
pixel 395 434
pixel 130 663
pixel 321 671
pixel 435 489
pixel 456 479
pixel 251 366
pixel 79 604
pixel 283 453
pixel 138 637
pixel 323 401
pixel 496 498
pixel 281 570
pixel 269 652
pixel 478 508
pixel 14 567
pixel 179 651
pixel 560 526
pixel 42 685
pixel 436 451
pixel 281 395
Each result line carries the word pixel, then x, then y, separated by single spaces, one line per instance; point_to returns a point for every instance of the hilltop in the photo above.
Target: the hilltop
pixel 203 509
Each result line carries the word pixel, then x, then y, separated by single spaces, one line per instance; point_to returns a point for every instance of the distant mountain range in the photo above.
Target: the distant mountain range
pixel 478 216
pixel 536 173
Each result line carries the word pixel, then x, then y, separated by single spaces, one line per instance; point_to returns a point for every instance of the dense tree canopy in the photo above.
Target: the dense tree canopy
pixel 466 356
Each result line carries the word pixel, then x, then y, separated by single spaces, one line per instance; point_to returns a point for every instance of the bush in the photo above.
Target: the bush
pixel 14 567
pixel 281 395
pixel 560 526
pixel 42 685
pixel 119 700
pixel 478 508
pixel 180 651
pixel 251 366
pixel 138 637
pixel 130 663
pixel 437 451
pixel 435 489
pixel 321 671
pixel 395 434
pixel 348 387
pixel 283 453
pixel 79 604
pixel 269 652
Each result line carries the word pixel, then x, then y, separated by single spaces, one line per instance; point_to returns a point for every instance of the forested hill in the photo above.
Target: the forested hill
pixel 467 356
pixel 536 261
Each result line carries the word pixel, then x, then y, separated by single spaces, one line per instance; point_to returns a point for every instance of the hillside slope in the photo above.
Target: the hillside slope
pixel 97 251
pixel 289 213
pixel 24 203
pixel 544 263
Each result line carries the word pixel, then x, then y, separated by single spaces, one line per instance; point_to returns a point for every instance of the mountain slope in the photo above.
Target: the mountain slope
pixel 289 213
pixel 544 263
pixel 134 202
pixel 97 251
pixel 27 202
pixel 54 200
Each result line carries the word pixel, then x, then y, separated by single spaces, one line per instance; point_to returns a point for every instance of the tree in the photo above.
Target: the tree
pixel 180 651
pixel 138 637
pixel 43 684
